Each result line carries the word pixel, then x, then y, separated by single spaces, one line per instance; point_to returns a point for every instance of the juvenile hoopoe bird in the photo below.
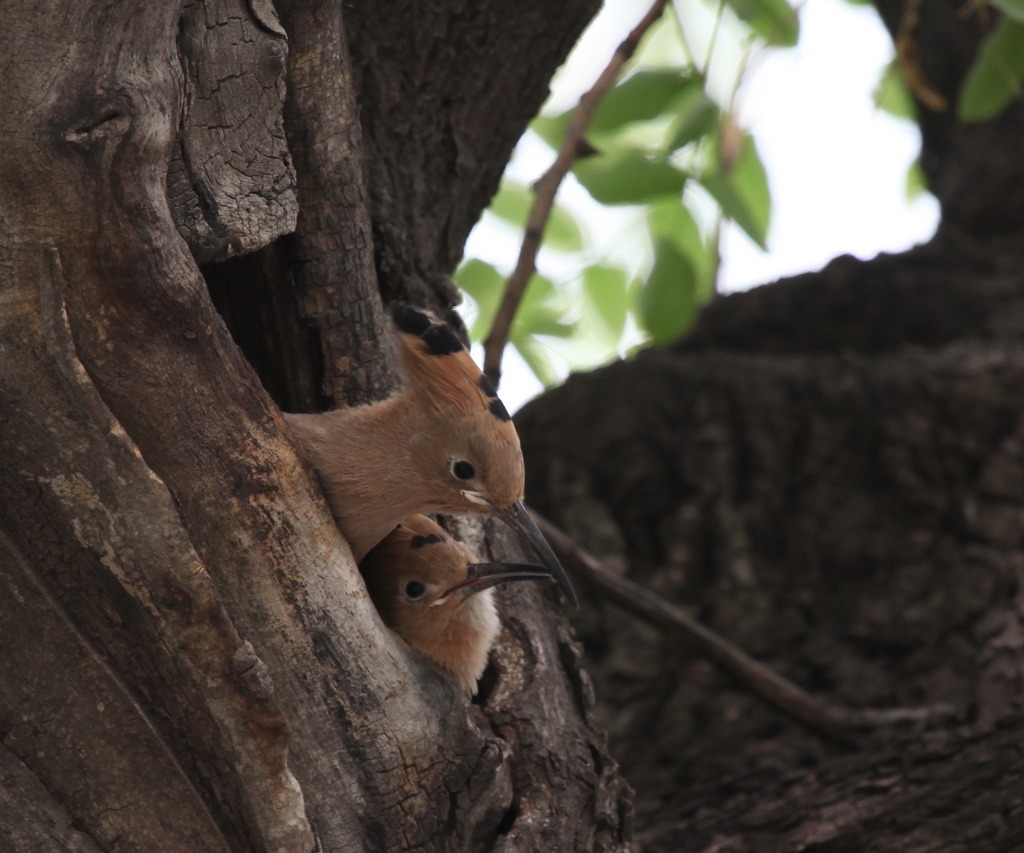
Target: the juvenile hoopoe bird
pixel 431 591
pixel 443 443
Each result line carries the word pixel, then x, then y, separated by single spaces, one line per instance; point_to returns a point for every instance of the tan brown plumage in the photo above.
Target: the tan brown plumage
pixel 443 443
pixel 433 593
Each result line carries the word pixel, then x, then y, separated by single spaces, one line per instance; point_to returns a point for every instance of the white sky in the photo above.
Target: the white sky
pixel 836 164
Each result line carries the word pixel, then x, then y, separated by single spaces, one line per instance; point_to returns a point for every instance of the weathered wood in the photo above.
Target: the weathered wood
pixel 569 794
pixel 230 183
pixel 136 588
pixel 154 499
pixel 252 512
pixel 98 530
pixel 71 728
pixel 306 310
pixel 30 818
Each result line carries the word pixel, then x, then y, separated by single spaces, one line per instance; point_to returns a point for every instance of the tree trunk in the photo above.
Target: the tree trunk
pixel 829 471
pixel 190 661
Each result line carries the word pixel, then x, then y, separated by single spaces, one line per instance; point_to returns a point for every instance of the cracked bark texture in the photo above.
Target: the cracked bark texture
pixel 829 471
pixel 189 659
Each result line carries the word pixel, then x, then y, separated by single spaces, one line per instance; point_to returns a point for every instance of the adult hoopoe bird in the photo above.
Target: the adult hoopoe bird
pixel 443 443
pixel 431 591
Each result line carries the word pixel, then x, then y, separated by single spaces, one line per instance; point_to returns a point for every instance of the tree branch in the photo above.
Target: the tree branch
pixel 831 721
pixel 545 189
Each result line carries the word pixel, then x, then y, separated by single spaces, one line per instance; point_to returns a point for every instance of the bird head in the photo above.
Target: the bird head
pixel 467 442
pixel 433 593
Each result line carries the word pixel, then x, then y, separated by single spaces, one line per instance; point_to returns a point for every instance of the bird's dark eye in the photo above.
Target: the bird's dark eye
pixel 415 589
pixel 463 470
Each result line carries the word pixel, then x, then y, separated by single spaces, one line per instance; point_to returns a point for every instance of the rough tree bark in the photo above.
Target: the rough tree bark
pixel 828 470
pixel 189 660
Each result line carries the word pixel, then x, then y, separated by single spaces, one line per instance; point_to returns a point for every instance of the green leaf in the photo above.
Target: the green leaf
pixel 563 231
pixel 546 321
pixel 674 222
pixel 540 292
pixel 485 285
pixel 605 304
pixel 629 177
pixel 542 310
pixel 742 192
pixel 1011 8
pixel 552 128
pixel 891 95
pixel 774 20
pixel 536 358
pixel 995 77
pixel 916 184
pixel 667 301
pixel 698 117
pixel 512 204
pixel 642 96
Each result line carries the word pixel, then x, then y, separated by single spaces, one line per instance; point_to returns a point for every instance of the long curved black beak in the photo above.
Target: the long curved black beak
pixel 481 576
pixel 516 516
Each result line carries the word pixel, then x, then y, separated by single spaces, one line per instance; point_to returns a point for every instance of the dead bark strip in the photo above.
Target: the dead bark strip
pixel 231 184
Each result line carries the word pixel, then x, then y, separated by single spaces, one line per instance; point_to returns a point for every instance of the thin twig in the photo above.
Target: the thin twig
pixel 714 38
pixel 573 146
pixel 832 721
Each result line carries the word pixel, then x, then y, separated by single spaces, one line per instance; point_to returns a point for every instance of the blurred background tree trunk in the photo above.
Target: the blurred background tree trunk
pixel 828 470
